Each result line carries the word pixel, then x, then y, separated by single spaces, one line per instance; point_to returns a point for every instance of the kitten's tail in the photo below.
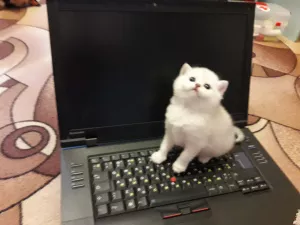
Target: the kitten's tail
pixel 239 135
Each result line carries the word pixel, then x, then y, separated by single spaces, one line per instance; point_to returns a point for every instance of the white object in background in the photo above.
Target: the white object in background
pixel 270 19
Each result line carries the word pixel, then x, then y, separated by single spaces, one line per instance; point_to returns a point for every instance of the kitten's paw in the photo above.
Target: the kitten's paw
pixel 158 158
pixel 204 159
pixel 178 167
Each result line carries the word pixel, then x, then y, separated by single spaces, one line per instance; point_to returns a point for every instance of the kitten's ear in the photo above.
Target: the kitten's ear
pixel 185 68
pixel 222 86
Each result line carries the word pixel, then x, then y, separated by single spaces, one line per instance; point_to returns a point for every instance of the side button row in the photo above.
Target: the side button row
pixel 77 180
pixel 254 188
pixel 259 157
pixel 256 154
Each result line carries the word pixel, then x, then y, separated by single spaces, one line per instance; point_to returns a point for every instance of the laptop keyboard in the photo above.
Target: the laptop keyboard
pixel 130 181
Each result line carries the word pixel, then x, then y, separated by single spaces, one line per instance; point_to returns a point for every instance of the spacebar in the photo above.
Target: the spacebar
pixel 174 197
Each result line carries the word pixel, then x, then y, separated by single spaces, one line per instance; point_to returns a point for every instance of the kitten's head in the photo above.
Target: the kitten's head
pixel 199 84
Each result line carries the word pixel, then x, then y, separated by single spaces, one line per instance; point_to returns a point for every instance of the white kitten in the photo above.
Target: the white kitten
pixel 196 119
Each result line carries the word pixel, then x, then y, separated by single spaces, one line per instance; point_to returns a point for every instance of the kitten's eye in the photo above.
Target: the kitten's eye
pixel 207 86
pixel 192 79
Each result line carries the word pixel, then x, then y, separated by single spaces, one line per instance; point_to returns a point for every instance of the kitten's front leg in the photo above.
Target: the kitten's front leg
pixel 186 156
pixel 166 146
pixel 204 159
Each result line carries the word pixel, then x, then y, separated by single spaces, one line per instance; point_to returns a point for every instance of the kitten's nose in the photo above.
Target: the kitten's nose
pixel 197 85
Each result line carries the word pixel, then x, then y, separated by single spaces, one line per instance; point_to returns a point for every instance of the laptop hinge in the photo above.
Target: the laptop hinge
pixel 76 134
pixel 90 142
pixel 240 123
pixel 77 138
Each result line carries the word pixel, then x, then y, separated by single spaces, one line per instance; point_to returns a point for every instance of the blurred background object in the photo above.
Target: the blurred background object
pixel 270 21
pixel 292 31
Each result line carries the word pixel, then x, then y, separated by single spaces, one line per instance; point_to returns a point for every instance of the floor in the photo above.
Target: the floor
pixel 29 157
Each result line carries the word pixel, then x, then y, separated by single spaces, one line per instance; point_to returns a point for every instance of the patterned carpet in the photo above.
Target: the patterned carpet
pixel 29 159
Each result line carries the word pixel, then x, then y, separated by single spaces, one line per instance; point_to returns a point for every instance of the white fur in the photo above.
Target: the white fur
pixel 196 120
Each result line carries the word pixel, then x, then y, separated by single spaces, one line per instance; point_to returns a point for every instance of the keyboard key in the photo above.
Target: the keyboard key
pixel 173 197
pixel 108 166
pixel 258 180
pixel 250 147
pixel 141 161
pixel 134 154
pixel 235 175
pixel 246 190
pixel 193 164
pixel 130 163
pixel 185 184
pixel 115 157
pixel 124 156
pixel 236 166
pixel 241 183
pixel 263 186
pixel 132 182
pixel 117 207
pixel 115 175
pixel 197 171
pixel 127 173
pixel 232 186
pixel 208 181
pixel 142 203
pixel 209 171
pixel 120 184
pixel 227 167
pixel 102 187
pixel 116 196
pixel 222 188
pixel 219 169
pixel 144 180
pixel 119 164
pixel 149 169
pixel 175 186
pixel 204 178
pixel 188 175
pixel 161 168
pixel 164 187
pixel 165 176
pixel 144 153
pixel 96 167
pixel 138 171
pixel 102 199
pixel 196 182
pixel 153 189
pixel 100 177
pixel 155 179
pixel 254 188
pixel 130 205
pixel 141 191
pixel 102 210
pixel 218 180
pixel 94 160
pixel 212 190
pixel 129 193
pixel 105 158
pixel 250 181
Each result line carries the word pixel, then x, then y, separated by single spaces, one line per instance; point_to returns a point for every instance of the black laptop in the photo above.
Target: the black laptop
pixel 114 63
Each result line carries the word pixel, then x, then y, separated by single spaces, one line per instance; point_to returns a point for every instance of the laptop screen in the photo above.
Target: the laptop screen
pixel 116 68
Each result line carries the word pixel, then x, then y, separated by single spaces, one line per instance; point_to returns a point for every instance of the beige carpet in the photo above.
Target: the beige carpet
pixel 29 159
